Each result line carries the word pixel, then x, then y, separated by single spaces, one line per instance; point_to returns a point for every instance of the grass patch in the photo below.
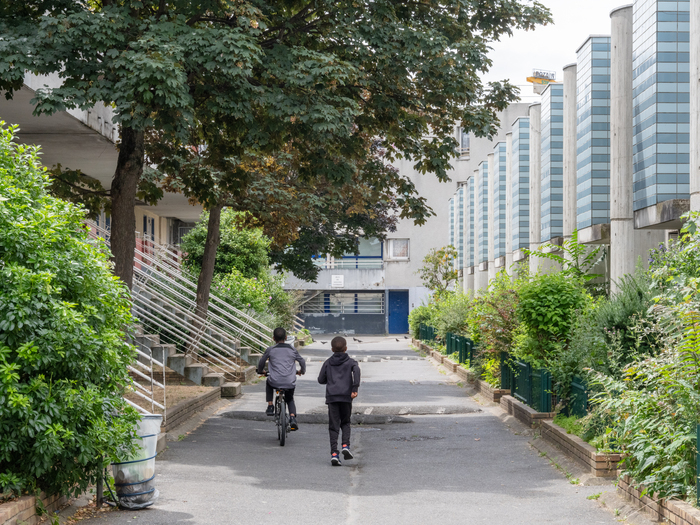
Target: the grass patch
pixel 572 424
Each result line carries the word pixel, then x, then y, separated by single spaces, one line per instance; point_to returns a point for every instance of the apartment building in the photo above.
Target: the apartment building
pixel 608 152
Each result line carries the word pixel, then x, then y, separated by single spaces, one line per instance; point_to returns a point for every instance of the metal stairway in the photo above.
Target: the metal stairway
pixel 211 352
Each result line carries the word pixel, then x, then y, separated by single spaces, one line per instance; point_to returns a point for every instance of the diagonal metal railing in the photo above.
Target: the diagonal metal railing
pixel 164 300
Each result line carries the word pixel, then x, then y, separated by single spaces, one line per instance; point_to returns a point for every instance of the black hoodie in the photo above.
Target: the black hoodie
pixel 341 375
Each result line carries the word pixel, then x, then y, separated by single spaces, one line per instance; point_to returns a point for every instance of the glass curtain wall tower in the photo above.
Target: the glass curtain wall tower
pixel 520 181
pixel 593 132
pixel 499 201
pixel 459 227
pixel 469 243
pixel 661 91
pixel 552 162
pixel 482 213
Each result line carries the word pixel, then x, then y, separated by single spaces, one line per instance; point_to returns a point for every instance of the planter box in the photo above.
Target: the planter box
pixel 675 511
pixel 182 412
pixel 23 510
pixel 524 413
pixel 450 365
pixel 602 465
pixel 494 395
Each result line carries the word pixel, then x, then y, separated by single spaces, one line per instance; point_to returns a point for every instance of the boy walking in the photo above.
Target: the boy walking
pixel 341 375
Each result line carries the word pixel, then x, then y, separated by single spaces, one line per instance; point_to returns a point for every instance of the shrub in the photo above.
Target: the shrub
pixel 609 336
pixel 63 357
pixel 493 320
pixel 242 249
pixel 452 312
pixel 547 310
pixel 420 315
pixel 650 411
pixel 262 297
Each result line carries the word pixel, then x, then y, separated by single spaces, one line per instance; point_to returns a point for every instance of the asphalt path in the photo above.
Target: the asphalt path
pixel 428 454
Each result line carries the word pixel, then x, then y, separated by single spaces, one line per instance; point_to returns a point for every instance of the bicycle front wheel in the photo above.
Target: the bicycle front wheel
pixel 282 429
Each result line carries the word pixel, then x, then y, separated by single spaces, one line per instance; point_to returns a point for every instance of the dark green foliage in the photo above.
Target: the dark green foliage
pixel 608 337
pixel 324 77
pixel 649 408
pixel 419 315
pixel 241 249
pixel 63 356
pixel 572 424
pixel 547 309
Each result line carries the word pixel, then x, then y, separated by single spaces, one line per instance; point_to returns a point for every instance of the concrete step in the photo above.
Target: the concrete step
pixel 178 362
pixel 231 389
pixel 196 372
pixel 162 352
pixel 213 379
pixel 245 352
pixel 254 359
pixel 147 340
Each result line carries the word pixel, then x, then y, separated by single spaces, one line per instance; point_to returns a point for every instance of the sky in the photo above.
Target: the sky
pixel 553 46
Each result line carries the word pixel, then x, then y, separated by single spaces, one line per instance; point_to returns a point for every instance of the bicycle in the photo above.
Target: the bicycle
pixel 281 416
pixel 282 419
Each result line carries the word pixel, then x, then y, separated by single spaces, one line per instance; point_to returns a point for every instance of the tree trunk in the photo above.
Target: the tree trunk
pixel 126 181
pixel 207 274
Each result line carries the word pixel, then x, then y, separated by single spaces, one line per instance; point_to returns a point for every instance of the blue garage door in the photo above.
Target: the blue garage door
pixel 398 312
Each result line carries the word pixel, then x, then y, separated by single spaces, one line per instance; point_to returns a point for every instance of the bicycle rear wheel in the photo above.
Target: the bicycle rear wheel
pixel 277 415
pixel 282 429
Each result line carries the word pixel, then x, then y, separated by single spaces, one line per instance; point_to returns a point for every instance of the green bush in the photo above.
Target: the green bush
pixel 648 408
pixel 419 315
pixel 493 320
pixel 262 297
pixel 63 356
pixel 452 313
pixel 547 310
pixel 572 424
pixel 242 249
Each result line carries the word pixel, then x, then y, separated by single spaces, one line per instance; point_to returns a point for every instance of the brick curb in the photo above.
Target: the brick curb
pixel 23 510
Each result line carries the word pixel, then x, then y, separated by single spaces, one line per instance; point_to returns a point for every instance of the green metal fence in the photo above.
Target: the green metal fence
pixel 507 375
pixel 462 346
pixel 578 404
pixel 427 333
pixel 529 385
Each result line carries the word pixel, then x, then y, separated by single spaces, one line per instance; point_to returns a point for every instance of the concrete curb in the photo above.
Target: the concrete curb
pixel 181 412
pixel 319 419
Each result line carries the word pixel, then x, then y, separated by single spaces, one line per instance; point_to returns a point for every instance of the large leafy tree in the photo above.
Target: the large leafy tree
pixel 276 71
pixel 303 216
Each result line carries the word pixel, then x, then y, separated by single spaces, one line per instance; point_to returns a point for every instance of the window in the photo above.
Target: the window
pixel 463 149
pixel 398 249
pixel 149 228
pixel 344 303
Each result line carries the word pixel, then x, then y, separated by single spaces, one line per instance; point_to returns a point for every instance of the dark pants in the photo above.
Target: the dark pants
pixel 288 397
pixel 339 419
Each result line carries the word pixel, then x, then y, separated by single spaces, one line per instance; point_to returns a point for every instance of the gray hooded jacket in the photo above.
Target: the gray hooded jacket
pixel 282 369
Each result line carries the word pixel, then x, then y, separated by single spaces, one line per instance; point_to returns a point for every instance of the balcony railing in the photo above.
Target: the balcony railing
pixel 350 263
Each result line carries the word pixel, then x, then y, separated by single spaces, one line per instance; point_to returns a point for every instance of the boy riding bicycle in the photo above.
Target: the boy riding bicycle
pixel 282 373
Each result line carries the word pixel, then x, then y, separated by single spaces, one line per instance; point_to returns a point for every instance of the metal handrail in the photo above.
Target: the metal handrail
pixel 187 295
pixel 163 260
pixel 205 337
